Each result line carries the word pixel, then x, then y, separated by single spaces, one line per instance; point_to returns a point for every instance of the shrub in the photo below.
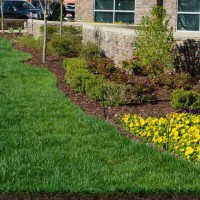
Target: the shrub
pixel 90 51
pixel 103 66
pixel 185 99
pixel 64 44
pixel 32 42
pixel 173 81
pixel 54 29
pixel 51 30
pixel 142 93
pixel 155 47
pixel 98 88
pixel 187 57
pixel 178 133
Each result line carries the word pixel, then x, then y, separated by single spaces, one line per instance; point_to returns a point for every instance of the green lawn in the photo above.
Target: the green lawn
pixel 48 145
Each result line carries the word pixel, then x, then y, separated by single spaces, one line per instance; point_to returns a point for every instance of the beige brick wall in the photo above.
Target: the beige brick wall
pixel 84 10
pixel 142 8
pixel 171 8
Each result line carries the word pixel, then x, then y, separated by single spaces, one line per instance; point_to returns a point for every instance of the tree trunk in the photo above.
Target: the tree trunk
pixel 159 2
pixel 2 17
pixel 45 34
pixel 61 16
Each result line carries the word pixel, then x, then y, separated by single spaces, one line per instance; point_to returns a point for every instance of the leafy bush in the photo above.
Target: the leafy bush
pixel 155 46
pixel 185 99
pixel 90 51
pixel 173 81
pixel 54 29
pixel 51 30
pixel 178 133
pixel 32 42
pixel 187 57
pixel 98 88
pixel 143 93
pixel 64 44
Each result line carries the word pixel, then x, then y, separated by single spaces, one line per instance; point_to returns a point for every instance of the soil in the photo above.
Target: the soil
pixel 112 114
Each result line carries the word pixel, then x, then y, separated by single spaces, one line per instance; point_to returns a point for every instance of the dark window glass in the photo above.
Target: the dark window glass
pixel 104 4
pixel 7 5
pixel 188 22
pixel 124 17
pixel 189 6
pixel 125 5
pixel 104 17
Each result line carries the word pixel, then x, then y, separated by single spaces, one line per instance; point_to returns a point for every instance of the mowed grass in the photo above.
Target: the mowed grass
pixel 48 145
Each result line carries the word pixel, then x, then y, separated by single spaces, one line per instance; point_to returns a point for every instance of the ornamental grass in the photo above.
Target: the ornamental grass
pixel 178 132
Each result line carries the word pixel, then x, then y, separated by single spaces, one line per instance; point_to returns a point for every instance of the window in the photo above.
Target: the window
pixel 115 11
pixel 188 15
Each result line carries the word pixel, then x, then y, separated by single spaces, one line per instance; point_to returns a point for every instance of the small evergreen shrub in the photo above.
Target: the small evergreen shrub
pixel 51 30
pixel 143 93
pixel 32 42
pixel 90 51
pixel 98 88
pixel 185 99
pixel 64 44
pixel 54 29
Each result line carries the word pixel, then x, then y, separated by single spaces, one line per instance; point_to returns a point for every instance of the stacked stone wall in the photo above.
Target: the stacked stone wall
pixel 116 41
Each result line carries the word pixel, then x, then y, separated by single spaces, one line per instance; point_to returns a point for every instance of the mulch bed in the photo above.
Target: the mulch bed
pixel 112 114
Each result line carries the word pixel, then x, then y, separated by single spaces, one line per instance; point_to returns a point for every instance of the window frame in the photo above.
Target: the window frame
pixel 114 11
pixel 185 13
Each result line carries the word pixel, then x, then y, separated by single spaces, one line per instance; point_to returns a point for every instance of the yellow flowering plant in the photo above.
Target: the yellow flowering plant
pixel 178 132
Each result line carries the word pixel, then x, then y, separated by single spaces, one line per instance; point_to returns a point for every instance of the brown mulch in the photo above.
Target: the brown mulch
pixel 112 114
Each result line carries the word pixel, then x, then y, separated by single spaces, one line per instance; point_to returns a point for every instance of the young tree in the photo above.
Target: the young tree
pixel 155 47
pixel 61 16
pixel 2 17
pixel 45 33
pixel 159 2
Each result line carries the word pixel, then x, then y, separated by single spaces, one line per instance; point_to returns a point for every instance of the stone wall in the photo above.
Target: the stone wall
pixel 116 41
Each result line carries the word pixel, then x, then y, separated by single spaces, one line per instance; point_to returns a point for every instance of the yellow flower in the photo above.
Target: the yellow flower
pixel 189 150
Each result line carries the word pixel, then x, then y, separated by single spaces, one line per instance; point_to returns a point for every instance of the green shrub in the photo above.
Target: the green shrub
pixel 32 42
pixel 76 30
pixel 64 44
pixel 76 73
pixel 142 93
pixel 155 47
pixel 185 99
pixel 90 51
pixel 54 29
pixel 51 30
pixel 98 88
pixel 115 93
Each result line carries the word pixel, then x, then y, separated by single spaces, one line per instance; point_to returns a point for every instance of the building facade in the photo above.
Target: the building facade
pixel 184 14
